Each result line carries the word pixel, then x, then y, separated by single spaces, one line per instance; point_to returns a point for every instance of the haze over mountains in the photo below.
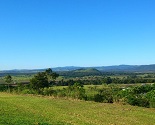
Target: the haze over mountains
pixel 119 68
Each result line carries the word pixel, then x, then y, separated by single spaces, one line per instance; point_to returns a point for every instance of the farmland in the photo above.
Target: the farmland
pixel 30 110
pixel 131 88
pixel 83 100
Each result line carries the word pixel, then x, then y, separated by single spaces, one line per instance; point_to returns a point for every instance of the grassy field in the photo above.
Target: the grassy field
pixel 33 110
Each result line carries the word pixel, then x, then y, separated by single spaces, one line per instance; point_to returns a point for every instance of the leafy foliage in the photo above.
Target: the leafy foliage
pixel 42 80
pixel 140 96
pixel 39 81
pixel 8 80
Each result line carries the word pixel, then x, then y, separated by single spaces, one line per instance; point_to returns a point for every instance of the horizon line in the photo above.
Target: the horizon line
pixel 74 66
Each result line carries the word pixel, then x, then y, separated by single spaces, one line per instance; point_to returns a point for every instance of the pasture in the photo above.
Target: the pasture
pixel 38 110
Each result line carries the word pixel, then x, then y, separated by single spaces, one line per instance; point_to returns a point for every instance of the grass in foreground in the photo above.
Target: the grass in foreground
pixel 32 110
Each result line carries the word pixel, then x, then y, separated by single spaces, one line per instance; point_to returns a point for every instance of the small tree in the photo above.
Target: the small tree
pixel 8 80
pixel 107 80
pixel 51 75
pixel 76 91
pixel 151 97
pixel 39 81
pixel 42 79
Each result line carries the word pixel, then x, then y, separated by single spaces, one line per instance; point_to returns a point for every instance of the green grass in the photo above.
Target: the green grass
pixel 33 110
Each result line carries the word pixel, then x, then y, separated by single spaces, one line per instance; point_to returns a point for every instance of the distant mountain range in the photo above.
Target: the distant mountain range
pixel 121 68
pixel 117 68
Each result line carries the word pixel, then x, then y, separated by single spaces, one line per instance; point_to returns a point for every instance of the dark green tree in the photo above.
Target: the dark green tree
pixel 39 81
pixel 151 97
pixel 8 80
pixel 78 91
pixel 107 80
pixel 51 75
pixel 42 79
pixel 54 76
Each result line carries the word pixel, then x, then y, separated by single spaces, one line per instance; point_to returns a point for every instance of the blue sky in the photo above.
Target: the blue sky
pixel 51 33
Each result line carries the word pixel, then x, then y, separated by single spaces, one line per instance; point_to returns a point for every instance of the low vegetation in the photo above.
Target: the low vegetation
pixel 45 100
pixel 43 83
pixel 38 110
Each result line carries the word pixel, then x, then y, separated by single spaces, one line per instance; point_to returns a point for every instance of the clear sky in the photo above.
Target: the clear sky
pixel 51 33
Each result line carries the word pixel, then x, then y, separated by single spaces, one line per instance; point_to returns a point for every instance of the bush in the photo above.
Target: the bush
pixel 48 91
pixel 138 100
pixel 74 91
pixel 151 97
pixel 98 98
pixel 28 91
pixel 3 88
pixel 105 95
pixel 142 89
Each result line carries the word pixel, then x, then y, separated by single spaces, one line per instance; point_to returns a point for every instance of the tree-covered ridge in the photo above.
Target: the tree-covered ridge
pixel 81 72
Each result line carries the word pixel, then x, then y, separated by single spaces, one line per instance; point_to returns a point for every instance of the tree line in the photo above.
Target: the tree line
pixel 42 83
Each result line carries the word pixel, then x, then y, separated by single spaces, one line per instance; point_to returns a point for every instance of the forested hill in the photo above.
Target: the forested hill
pixel 129 68
pixel 81 72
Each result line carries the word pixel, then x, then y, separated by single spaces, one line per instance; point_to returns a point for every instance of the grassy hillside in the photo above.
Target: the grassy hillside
pixel 31 110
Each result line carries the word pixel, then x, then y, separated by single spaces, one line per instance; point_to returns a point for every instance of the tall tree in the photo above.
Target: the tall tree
pixel 42 79
pixel 51 75
pixel 39 81
pixel 8 80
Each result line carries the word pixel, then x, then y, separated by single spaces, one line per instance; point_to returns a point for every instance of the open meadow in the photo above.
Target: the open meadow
pixel 38 110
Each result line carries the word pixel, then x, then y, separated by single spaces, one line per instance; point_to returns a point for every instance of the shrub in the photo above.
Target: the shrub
pixel 98 98
pixel 3 88
pixel 151 97
pixel 138 100
pixel 48 91
pixel 105 95
pixel 28 91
